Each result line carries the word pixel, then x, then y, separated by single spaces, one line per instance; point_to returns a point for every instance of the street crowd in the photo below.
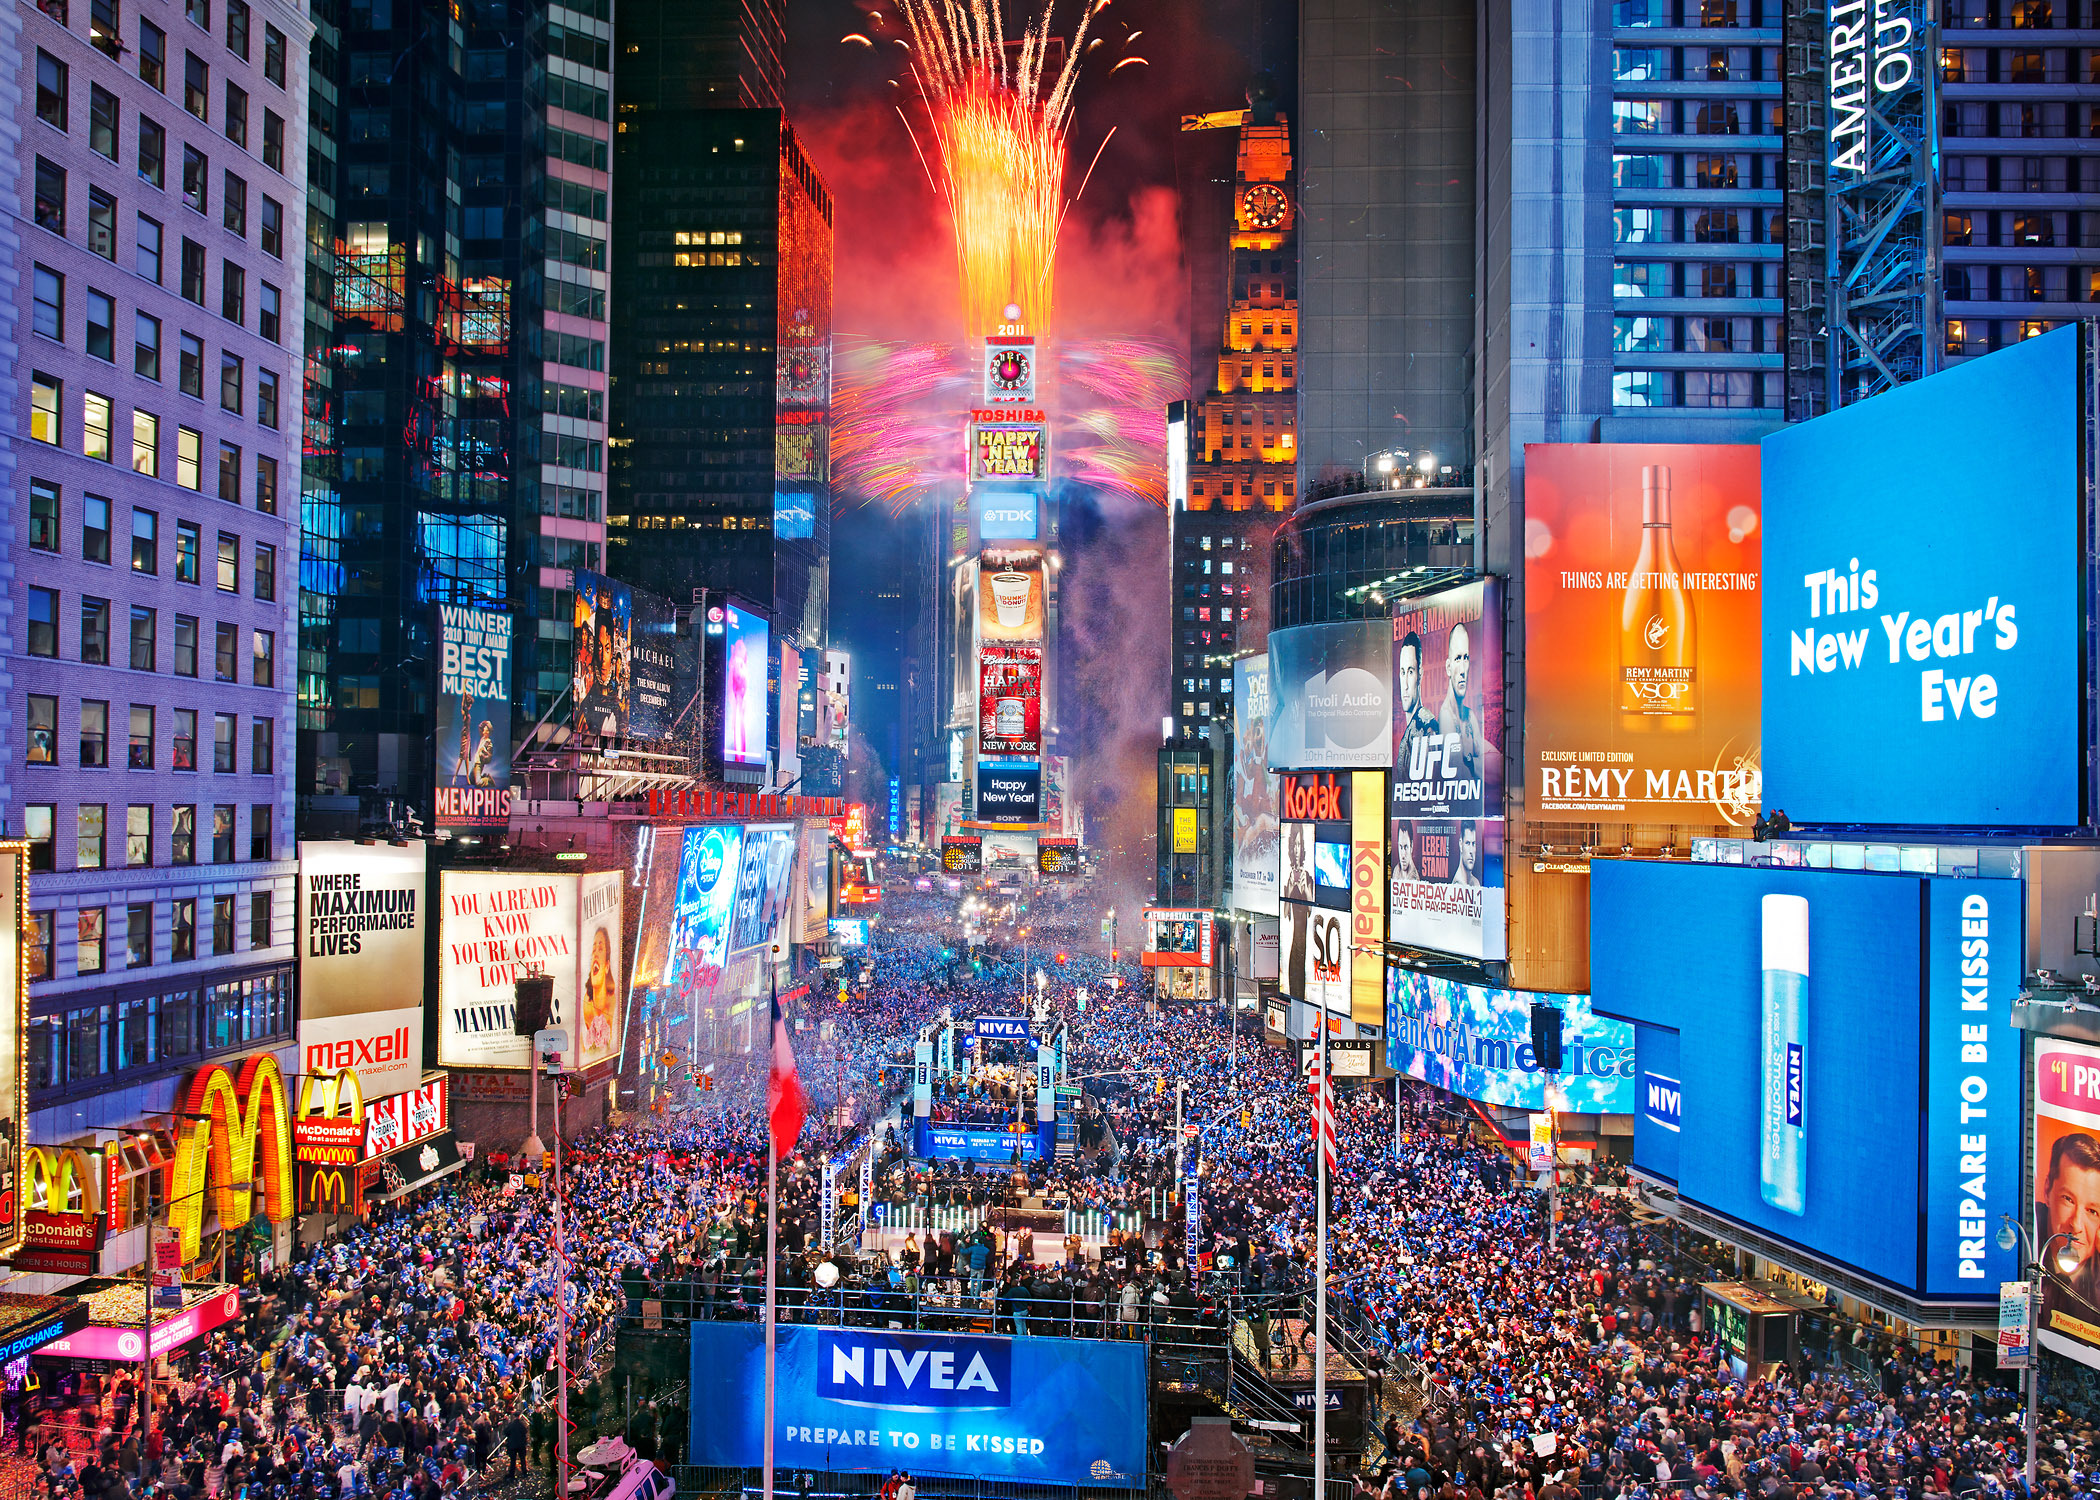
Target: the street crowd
pixel 410 1357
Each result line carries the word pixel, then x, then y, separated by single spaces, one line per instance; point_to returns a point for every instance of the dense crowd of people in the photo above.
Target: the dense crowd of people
pixel 410 1356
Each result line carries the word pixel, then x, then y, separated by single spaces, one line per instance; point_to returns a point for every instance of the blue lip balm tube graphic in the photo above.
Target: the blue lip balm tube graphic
pixel 1782 1166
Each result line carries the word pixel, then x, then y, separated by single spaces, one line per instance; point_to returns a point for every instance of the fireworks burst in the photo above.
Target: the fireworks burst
pixel 998 129
pixel 895 403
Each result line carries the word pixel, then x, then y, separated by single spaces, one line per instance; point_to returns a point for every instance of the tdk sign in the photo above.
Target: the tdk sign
pixel 1007 516
pixel 915 1372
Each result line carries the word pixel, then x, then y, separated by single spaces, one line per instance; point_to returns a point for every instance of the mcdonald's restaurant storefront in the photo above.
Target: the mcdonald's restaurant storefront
pixel 352 1154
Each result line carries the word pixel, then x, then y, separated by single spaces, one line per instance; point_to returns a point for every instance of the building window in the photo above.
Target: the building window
pixel 196 85
pixel 183 751
pixel 48 303
pixel 225 653
pixel 96 440
pixel 138 833
pixel 39 819
pixel 230 473
pixel 224 728
pixel 182 930
pixel 89 953
pixel 190 366
pixel 222 924
pixel 43 515
pixel 94 632
pixel 259 909
pixel 89 828
pixel 144 627
pixel 43 621
pixel 50 202
pixel 182 835
pixel 145 353
pixel 189 458
pixel 42 744
pixel 148 255
pixel 272 226
pixel 102 224
pixel 262 750
pixel 266 398
pixel 187 546
pixel 193 275
pixel 273 54
pixel 94 733
pixel 273 141
pixel 263 672
pixel 52 86
pixel 101 325
pixel 105 35
pixel 267 313
pixel 229 563
pixel 233 205
pixel 138 954
pixel 237 120
pixel 265 571
pixel 222 834
pixel 42 927
pixel 94 529
pixel 233 292
pixel 45 394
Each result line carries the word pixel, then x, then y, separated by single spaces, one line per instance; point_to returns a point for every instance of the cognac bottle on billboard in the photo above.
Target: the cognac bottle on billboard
pixel 1658 631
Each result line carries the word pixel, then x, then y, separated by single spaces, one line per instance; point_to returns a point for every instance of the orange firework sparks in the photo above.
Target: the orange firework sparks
pixel 998 127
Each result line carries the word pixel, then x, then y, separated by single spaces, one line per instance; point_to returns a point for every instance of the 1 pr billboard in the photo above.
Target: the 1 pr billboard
pixel 1330 696
pixel 1256 833
pixel 1447 828
pixel 601 681
pixel 1474 1041
pixel 473 719
pixel 1643 568
pixel 1919 667
pixel 361 962
pixel 1010 701
pixel 746 637
pixel 1031 1410
pixel 1845 1062
pixel 1010 594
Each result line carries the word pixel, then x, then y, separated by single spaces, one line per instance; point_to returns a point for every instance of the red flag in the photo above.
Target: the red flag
pixel 785 1106
pixel 1322 1087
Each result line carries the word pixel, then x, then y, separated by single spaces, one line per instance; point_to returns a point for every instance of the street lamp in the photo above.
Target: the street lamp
pixel 2012 1232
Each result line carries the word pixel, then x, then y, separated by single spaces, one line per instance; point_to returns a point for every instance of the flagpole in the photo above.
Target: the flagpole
pixel 772 1232
pixel 1320 1291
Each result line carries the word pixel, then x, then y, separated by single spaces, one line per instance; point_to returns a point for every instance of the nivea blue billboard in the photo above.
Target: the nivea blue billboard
pixel 1922 639
pixel 1043 1411
pixel 1828 1057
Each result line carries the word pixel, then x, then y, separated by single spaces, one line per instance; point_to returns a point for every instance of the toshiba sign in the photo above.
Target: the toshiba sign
pixel 361 911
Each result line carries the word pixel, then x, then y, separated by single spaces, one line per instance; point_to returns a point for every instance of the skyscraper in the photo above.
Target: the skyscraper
pixel 468 374
pixel 703 54
pixel 156 261
pixel 721 363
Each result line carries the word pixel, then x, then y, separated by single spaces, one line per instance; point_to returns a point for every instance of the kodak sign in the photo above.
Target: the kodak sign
pixel 1315 797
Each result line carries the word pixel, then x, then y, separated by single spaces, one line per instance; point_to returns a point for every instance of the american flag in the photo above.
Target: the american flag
pixel 1322 1086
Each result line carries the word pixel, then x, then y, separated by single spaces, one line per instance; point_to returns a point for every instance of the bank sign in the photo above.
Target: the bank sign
pixel 1029 1410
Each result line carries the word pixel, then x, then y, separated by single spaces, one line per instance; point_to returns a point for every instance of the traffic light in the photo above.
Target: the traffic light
pixel 1114 956
pixel 1545 1037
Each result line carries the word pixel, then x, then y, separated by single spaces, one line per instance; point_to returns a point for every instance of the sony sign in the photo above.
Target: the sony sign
pixel 1869 42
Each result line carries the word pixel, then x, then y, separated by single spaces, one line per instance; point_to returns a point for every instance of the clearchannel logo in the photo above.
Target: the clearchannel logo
pixel 915 1372
pixel 1007 516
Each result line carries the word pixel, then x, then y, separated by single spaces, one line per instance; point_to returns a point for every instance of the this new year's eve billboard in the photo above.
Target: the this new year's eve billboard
pixel 865 1400
pixel 1920 667
pixel 1447 826
pixel 473 718
pixel 1003 449
pixel 1643 567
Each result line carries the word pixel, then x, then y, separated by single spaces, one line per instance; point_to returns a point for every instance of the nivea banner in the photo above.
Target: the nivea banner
pixel 1043 1411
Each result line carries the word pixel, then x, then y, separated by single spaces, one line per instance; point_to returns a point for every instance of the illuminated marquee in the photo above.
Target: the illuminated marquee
pixel 1009 450
pixel 330 1129
pixel 243 1142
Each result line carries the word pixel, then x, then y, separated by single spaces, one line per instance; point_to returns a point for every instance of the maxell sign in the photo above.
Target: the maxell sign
pixel 361 962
